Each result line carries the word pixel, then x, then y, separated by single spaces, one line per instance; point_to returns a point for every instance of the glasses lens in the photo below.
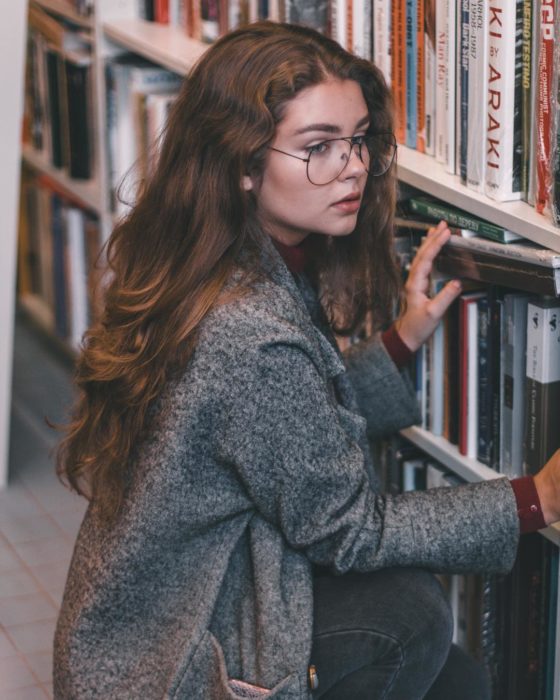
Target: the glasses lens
pixel 330 158
pixel 382 149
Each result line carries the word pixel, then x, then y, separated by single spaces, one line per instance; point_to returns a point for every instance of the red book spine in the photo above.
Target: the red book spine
pixel 398 58
pixel 420 80
pixel 161 11
pixel 544 100
pixel 463 374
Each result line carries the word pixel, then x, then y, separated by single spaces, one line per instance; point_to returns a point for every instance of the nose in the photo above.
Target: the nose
pixel 354 164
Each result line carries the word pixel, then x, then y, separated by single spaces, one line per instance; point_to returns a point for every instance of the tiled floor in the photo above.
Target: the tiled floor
pixel 39 519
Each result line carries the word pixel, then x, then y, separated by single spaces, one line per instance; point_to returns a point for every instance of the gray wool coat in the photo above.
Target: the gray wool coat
pixel 257 466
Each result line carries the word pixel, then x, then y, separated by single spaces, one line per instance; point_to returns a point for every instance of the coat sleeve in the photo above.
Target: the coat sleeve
pixel 384 394
pixel 290 446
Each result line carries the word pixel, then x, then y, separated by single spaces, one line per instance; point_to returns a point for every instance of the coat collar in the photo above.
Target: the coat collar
pixel 298 302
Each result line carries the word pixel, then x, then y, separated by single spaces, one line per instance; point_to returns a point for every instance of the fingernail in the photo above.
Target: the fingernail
pixel 457 284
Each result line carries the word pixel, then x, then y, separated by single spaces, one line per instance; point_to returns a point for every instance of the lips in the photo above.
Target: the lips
pixel 354 197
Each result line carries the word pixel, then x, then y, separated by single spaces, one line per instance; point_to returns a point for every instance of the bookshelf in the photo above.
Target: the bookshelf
pixel 115 28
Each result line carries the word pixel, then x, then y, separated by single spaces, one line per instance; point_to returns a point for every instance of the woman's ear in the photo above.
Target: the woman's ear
pixel 247 183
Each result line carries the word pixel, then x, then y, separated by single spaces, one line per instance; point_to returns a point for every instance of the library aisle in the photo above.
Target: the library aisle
pixel 39 520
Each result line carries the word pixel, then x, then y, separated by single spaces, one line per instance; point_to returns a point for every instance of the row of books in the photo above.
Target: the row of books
pixel 80 7
pixel 59 95
pixel 489 378
pixel 206 20
pixel 509 623
pixel 59 244
pixel 476 85
pixel 475 82
pixel 139 95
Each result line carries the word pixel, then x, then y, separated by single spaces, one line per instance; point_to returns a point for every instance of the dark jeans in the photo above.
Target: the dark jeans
pixel 386 635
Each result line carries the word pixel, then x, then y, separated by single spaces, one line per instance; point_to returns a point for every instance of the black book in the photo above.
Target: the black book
pixel 78 85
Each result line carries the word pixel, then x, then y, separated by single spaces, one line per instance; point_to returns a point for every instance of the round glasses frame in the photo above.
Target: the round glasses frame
pixel 351 140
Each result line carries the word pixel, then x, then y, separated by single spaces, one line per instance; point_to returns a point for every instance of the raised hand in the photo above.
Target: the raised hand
pixel 547 482
pixel 421 313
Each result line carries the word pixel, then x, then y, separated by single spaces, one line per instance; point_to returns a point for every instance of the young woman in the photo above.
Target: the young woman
pixel 236 544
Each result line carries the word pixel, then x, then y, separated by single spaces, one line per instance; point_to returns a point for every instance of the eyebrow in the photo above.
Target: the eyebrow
pixel 329 128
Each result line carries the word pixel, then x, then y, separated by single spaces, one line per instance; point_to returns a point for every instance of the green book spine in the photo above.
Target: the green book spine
pixel 460 219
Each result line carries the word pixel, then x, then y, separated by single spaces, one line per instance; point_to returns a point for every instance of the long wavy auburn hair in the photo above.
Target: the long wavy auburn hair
pixel 169 258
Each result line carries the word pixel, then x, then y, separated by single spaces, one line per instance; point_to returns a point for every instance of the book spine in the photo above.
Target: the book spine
pixel 513 407
pixel 485 378
pixel 381 37
pixel 398 76
pixel 79 126
pixel 441 79
pixel 350 24
pixel 477 90
pixel 464 87
pixel 543 385
pixel 543 116
pixel 420 78
pixel 458 219
pixel 463 376
pixel 554 195
pixel 496 330
pixel 430 72
pixel 535 52
pixel 451 87
pixel 502 159
pixel 526 104
pixel 411 73
pixel 436 354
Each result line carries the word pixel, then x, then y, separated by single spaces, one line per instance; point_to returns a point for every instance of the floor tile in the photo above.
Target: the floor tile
pixel 14 673
pixel 33 692
pixel 41 664
pixel 9 561
pixel 70 520
pixel 16 583
pixel 46 551
pixel 19 610
pixel 33 636
pixel 52 577
pixel 17 502
pixel 7 647
pixel 20 529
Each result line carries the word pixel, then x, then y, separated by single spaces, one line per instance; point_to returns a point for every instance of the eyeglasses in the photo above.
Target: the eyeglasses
pixel 328 159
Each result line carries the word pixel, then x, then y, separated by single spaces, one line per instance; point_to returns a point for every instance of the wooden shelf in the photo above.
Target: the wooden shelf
pixel 85 191
pixel 425 173
pixel 167 46
pixel 65 10
pixel 468 469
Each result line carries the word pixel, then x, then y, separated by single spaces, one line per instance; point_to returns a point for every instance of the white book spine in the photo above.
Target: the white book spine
pixel 78 275
pixel 430 65
pixel 451 86
pixel 358 25
pixel 478 76
pixel 441 79
pixel 472 381
pixel 382 37
pixel 501 101
pixel 339 26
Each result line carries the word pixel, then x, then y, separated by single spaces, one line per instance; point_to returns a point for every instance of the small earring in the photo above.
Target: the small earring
pixel 247 183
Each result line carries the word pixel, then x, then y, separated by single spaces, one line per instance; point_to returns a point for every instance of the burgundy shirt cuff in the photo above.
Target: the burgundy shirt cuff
pixel 398 351
pixel 529 509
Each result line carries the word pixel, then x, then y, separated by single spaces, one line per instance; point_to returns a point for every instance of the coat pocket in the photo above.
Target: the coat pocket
pixel 207 678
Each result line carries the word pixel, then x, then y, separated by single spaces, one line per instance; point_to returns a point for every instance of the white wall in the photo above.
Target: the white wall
pixel 13 31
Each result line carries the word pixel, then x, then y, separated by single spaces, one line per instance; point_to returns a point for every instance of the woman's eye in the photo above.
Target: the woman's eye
pixel 358 140
pixel 318 148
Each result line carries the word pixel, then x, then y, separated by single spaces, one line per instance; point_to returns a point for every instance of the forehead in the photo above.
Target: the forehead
pixel 337 102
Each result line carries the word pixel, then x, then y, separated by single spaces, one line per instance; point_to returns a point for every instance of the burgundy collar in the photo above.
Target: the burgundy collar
pixel 293 255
